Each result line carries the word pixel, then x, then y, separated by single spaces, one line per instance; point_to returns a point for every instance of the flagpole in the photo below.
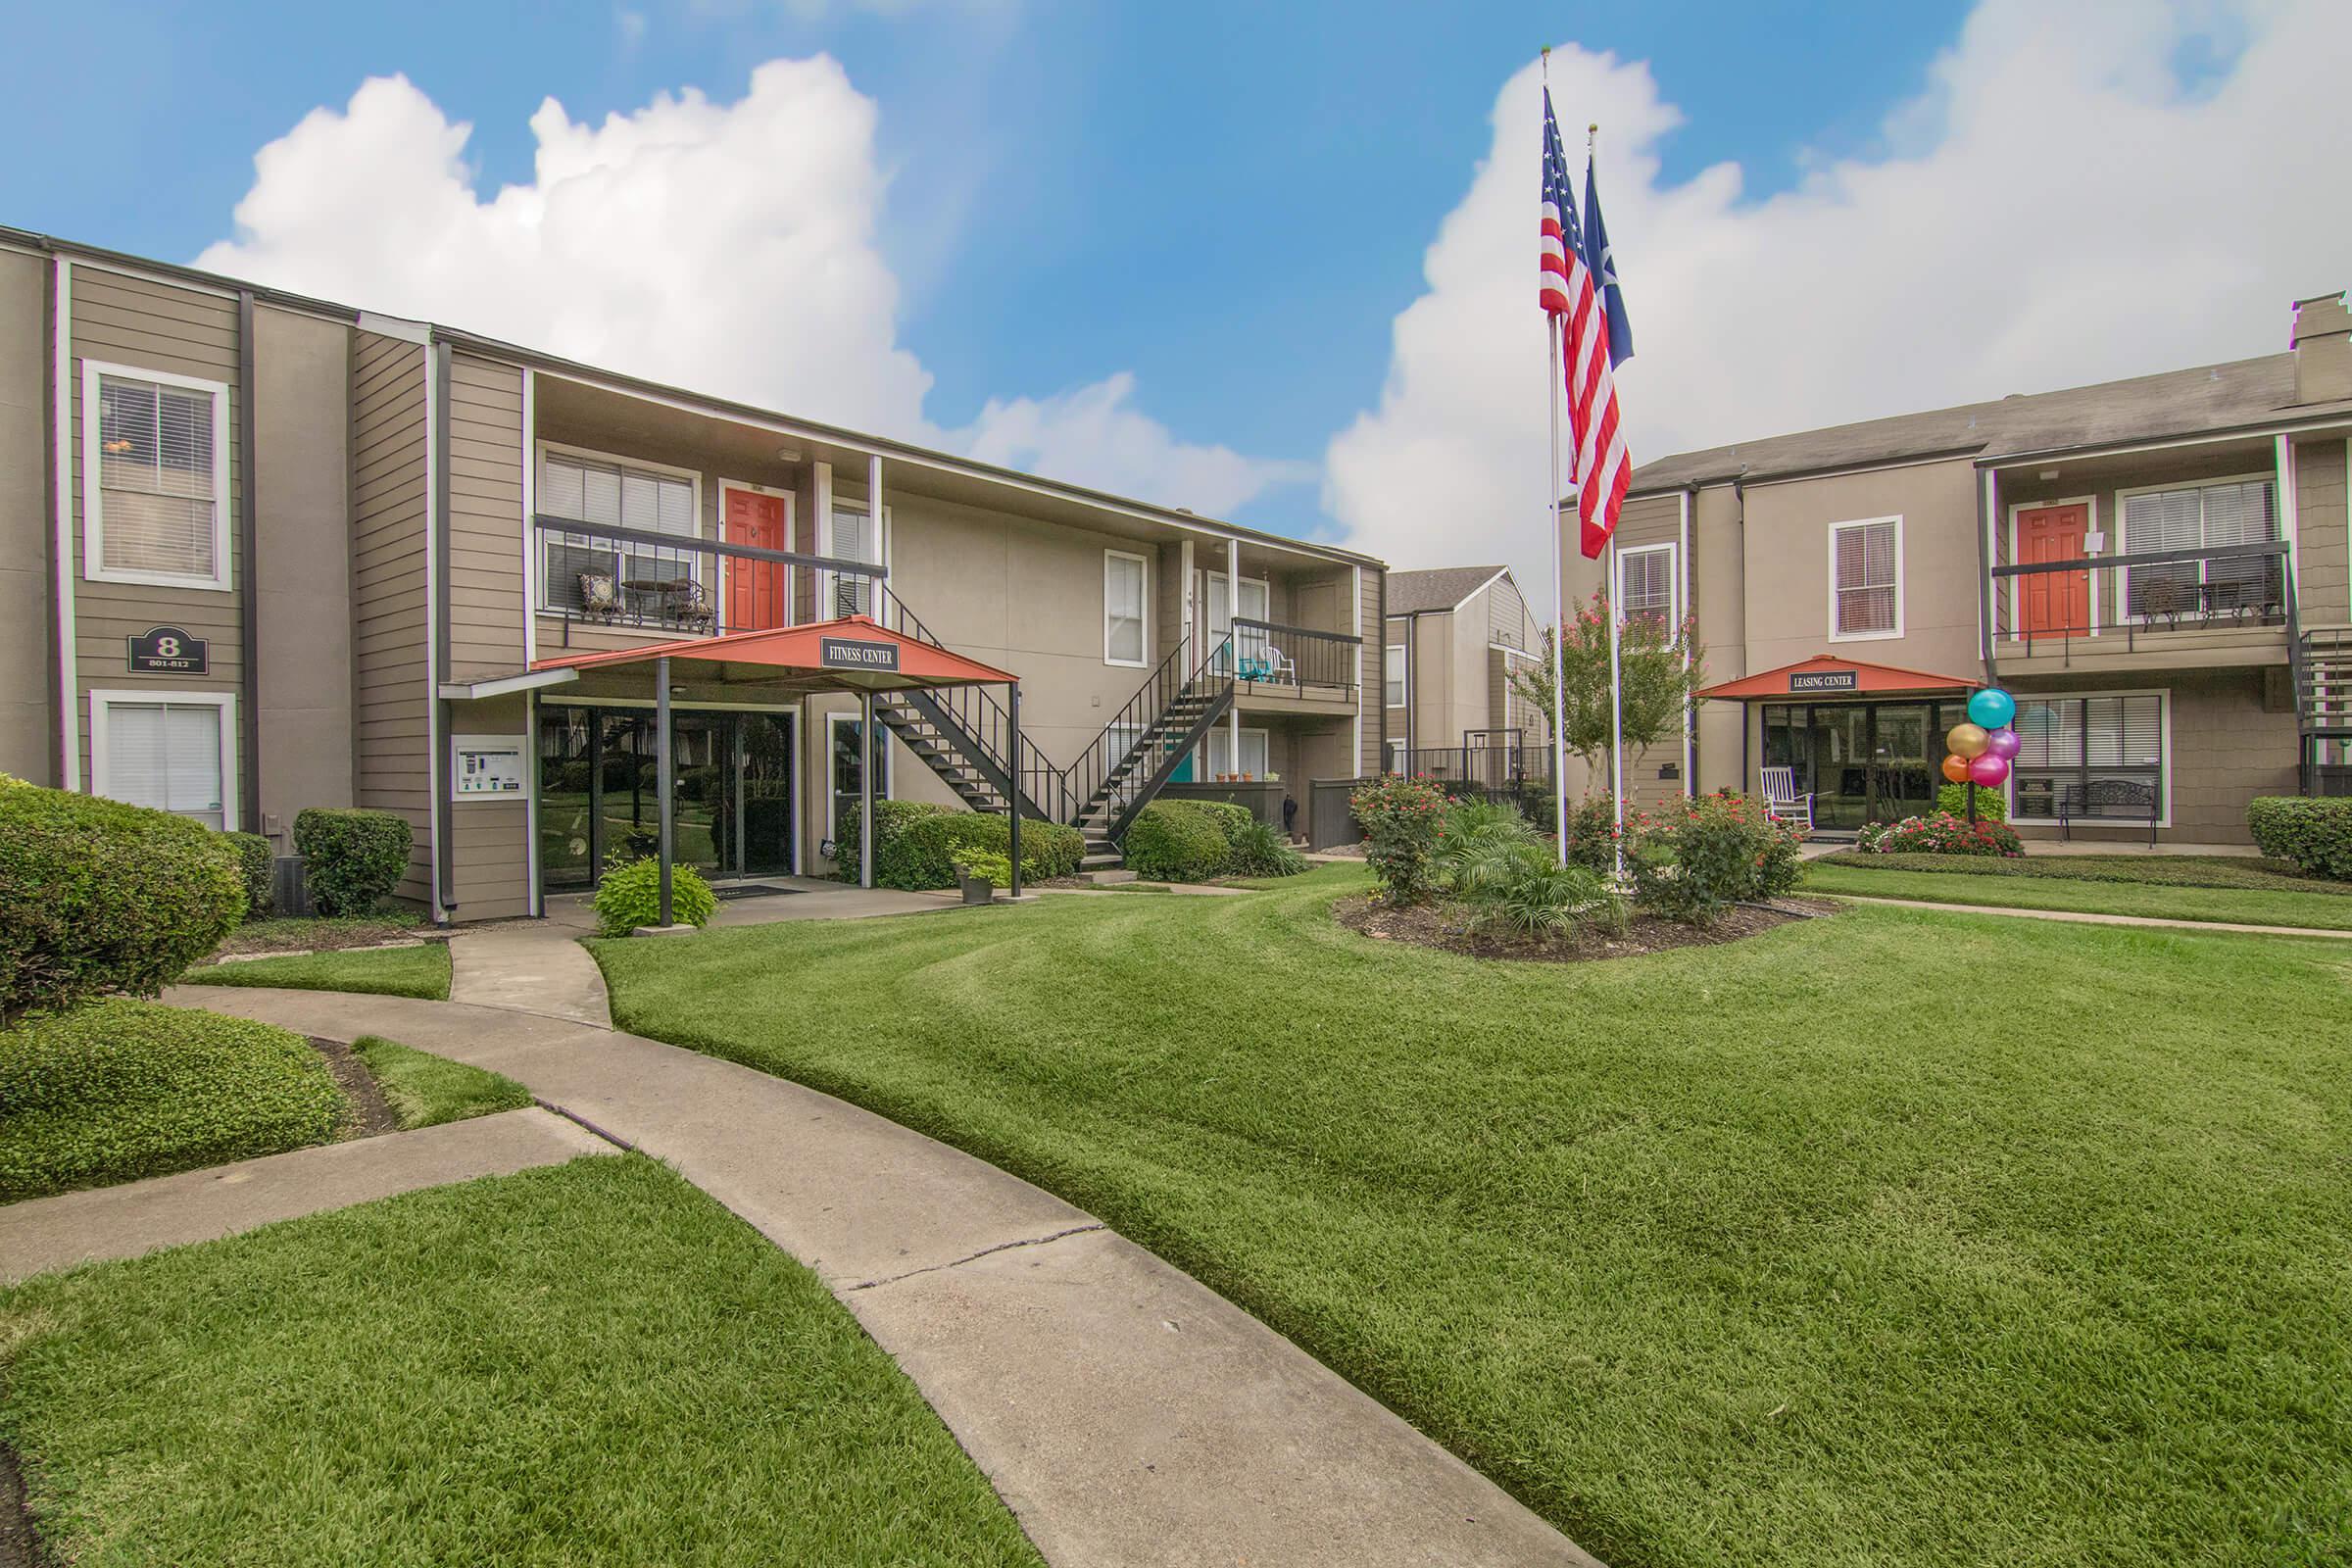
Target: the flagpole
pixel 1559 575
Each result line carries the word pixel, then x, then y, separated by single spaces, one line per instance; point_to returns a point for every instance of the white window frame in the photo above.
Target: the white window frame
pixel 1143 562
pixel 2017 614
pixel 2123 508
pixel 834 803
pixel 1404 676
pixel 2164 752
pixel 1222 732
pixel 622 461
pixel 225 702
pixel 93 509
pixel 1674 581
pixel 825 580
pixel 1397 755
pixel 726 563
pixel 1836 528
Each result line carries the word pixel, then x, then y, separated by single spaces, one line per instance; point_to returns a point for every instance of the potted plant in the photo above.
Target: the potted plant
pixel 979 875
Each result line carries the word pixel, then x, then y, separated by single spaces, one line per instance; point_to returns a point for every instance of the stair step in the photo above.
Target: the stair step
pixel 1101 864
pixel 1106 876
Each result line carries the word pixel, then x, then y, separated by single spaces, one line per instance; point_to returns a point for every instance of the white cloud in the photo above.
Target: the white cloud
pixel 2057 208
pixel 730 248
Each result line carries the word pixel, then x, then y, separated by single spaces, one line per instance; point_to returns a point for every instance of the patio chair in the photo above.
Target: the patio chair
pixel 1782 802
pixel 1280 667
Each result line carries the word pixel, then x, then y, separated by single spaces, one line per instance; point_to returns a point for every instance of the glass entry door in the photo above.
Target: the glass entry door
pixel 1861 762
pixel 599 792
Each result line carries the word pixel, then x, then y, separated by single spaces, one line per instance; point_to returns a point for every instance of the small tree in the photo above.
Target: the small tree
pixel 1653 676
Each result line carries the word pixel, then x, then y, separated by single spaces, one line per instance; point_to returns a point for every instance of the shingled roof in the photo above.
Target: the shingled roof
pixel 2145 407
pixel 1412 593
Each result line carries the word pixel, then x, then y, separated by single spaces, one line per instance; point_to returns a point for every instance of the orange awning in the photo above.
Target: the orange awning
pixel 1826 675
pixel 854 653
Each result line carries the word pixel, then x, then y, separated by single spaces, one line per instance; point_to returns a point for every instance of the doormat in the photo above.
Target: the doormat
pixel 750 889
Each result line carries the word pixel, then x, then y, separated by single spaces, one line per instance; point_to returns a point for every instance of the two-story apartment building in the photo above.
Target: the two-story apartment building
pixel 2159 569
pixel 267 551
pixel 1456 635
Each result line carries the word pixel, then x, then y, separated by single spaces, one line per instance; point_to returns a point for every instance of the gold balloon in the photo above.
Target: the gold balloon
pixel 1955 768
pixel 1968 740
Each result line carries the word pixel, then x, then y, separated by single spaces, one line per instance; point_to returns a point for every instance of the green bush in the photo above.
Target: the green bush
pixel 1175 841
pixel 1404 826
pixel 2315 834
pixel 893 865
pixel 1231 818
pixel 1940 834
pixel 994 869
pixel 1592 833
pixel 96 897
pixel 1514 881
pixel 1256 849
pixel 351 861
pixel 921 853
pixel 126 1089
pixel 1717 850
pixel 256 864
pixel 1993 805
pixel 630 896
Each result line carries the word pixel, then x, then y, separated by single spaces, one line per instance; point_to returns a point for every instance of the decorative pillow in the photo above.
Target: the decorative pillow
pixel 598 595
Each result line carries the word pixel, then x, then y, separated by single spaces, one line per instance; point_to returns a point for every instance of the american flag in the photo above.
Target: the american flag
pixel 1598 465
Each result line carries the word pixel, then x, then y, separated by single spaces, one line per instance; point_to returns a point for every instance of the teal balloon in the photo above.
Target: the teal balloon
pixel 1992 707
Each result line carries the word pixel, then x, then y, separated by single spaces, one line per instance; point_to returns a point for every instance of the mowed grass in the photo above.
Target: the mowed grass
pixel 1889 1239
pixel 419 971
pixel 2206 891
pixel 591 1363
pixel 423 1090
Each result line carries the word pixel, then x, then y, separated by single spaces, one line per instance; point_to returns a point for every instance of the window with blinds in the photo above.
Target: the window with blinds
pixel 1393 673
pixel 2090 757
pixel 160 493
pixel 854 538
pixel 166 756
pixel 614 495
pixel 2240 511
pixel 1866 591
pixel 1645 581
pixel 1122 608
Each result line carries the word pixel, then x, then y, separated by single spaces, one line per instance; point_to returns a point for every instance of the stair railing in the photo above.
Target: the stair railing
pixel 1111 771
pixel 984 720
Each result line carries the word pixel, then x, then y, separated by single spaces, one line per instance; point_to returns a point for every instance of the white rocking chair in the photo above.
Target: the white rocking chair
pixel 1782 802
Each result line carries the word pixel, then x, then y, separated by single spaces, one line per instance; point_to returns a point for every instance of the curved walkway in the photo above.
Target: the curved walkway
pixel 2088 917
pixel 1126 1413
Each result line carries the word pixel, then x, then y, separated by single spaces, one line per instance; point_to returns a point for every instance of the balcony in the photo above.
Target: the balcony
pixel 1293 668
pixel 600 575
pixel 2223 605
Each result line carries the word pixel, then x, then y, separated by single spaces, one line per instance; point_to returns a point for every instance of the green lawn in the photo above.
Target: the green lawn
pixel 1729 1256
pixel 2170 887
pixel 419 971
pixel 591 1363
pixel 424 1090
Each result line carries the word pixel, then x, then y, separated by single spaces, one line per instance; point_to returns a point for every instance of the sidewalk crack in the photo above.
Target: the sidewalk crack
pixel 984 1251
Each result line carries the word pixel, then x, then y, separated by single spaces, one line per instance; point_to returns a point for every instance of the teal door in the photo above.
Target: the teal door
pixel 1184 771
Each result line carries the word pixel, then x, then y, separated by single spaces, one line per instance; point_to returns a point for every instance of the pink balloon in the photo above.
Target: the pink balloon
pixel 1988 769
pixel 2003 743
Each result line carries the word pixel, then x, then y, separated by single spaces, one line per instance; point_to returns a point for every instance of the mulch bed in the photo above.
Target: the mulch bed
pixel 1447 927
pixel 17 1549
pixel 365 1113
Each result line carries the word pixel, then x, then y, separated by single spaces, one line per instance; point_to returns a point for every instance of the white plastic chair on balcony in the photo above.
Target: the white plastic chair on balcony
pixel 1782 802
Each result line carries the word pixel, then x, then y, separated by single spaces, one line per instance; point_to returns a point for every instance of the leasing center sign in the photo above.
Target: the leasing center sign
pixel 1823 680
pixel 852 653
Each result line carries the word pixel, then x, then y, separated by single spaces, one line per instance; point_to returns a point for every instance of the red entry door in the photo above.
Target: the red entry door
pixel 755 588
pixel 2053 603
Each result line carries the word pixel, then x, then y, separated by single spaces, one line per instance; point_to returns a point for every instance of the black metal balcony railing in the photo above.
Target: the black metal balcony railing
pixel 1265 653
pixel 2063 610
pixel 600 574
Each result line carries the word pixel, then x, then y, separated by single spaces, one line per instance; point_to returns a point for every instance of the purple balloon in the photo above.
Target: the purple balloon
pixel 1988 769
pixel 2002 742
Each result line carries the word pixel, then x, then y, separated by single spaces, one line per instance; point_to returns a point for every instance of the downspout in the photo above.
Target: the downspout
pixel 248 577
pixel 1690 708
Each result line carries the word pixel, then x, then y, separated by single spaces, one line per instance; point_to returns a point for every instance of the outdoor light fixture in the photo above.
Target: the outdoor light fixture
pixel 2049 473
pixel 788 454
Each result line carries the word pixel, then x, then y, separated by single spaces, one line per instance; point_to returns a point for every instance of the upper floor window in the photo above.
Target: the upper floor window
pixel 1866 578
pixel 157 509
pixel 854 537
pixel 2204 516
pixel 1124 613
pixel 587 572
pixel 1393 673
pixel 1645 581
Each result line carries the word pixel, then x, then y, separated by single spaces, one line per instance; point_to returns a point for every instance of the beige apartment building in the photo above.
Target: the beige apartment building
pixel 2159 569
pixel 269 553
pixel 1456 637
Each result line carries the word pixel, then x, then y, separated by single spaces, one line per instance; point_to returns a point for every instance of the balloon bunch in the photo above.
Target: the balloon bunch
pixel 1981 746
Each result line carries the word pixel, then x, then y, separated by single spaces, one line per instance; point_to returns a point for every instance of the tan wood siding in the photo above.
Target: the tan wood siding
pixel 28 628
pixel 489 839
pixel 391 632
pixel 2322 521
pixel 486 584
pixel 1370 692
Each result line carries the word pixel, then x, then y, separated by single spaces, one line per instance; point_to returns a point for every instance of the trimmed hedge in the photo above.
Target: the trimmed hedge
pixel 893 868
pixel 351 859
pixel 1177 841
pixel 125 1089
pixel 915 844
pixel 256 864
pixel 1993 805
pixel 1231 818
pixel 2315 834
pixel 96 897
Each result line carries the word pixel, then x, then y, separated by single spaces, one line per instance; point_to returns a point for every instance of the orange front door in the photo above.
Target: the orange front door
pixel 2053 603
pixel 755 588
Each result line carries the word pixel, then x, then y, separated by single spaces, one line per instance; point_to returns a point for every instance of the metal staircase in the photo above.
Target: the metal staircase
pixel 2323 677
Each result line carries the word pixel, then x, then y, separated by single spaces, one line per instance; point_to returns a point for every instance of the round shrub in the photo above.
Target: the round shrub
pixel 1993 805
pixel 1941 833
pixel 1716 851
pixel 126 1089
pixel 2315 834
pixel 1231 817
pixel 1404 826
pixel 923 854
pixel 256 864
pixel 630 896
pixel 892 865
pixel 1175 841
pixel 96 897
pixel 351 861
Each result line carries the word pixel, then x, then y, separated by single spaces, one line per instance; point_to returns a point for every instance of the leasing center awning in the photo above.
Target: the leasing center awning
pixel 1825 675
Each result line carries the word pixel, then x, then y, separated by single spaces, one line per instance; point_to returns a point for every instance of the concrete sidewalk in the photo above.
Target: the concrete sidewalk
pixel 2086 917
pixel 201 1206
pixel 1125 1412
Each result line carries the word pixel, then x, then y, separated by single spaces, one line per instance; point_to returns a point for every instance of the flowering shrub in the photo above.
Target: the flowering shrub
pixel 1941 833
pixel 1404 824
pixel 1592 833
pixel 1715 851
